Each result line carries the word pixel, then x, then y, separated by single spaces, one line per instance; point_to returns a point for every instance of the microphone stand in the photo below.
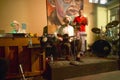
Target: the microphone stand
pixel 74 48
pixel 22 72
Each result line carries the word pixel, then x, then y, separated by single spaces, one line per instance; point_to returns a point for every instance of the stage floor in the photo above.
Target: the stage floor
pixel 84 60
pixel 60 70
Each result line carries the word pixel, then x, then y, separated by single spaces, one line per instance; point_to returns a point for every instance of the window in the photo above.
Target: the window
pixel 114 14
pixel 98 1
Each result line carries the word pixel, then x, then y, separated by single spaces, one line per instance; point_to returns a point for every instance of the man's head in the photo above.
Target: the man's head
pixel 66 19
pixel 80 12
pixel 67 7
pixel 15 24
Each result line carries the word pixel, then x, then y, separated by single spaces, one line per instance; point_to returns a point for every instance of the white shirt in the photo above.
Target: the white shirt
pixel 66 30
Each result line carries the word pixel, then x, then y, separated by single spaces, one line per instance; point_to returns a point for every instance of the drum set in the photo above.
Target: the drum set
pixel 107 41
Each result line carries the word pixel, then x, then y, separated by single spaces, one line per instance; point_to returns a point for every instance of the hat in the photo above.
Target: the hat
pixel 68 18
pixel 14 22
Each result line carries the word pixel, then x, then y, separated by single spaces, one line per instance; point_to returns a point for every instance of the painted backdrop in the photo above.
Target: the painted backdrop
pixel 58 9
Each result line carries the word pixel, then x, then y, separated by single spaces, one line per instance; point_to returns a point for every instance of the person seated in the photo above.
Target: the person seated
pixel 16 27
pixel 48 44
pixel 64 35
pixel 70 39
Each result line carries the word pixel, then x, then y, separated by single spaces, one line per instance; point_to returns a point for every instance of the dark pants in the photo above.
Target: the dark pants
pixel 76 46
pixel 51 50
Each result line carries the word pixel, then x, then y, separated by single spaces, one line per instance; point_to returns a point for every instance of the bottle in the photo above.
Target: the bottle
pixel 51 58
pixel 30 42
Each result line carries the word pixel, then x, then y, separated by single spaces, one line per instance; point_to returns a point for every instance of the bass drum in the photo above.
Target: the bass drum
pixel 101 48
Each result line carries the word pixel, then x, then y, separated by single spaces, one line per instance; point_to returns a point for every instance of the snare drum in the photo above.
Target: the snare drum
pixel 109 34
pixel 112 34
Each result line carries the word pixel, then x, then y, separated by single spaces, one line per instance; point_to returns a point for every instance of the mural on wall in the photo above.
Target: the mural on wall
pixel 57 9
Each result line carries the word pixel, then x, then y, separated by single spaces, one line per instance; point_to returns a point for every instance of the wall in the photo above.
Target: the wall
pixel 90 12
pixel 30 12
pixel 101 17
pixel 33 13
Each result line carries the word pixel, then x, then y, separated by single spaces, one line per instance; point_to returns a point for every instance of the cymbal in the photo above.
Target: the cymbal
pixel 96 30
pixel 115 23
pixel 109 25
pixel 112 24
